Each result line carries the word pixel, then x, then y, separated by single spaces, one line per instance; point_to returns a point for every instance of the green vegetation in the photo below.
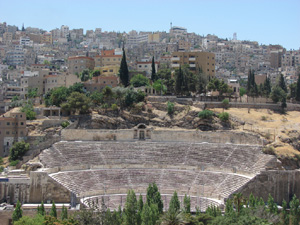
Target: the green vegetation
pixel 298 89
pixel 252 89
pixel 32 92
pixel 29 110
pixel 65 124
pixel 225 103
pixel 123 72
pixel 159 87
pixel 224 116
pixel 153 72
pixel 170 108
pixel 238 210
pixel 77 103
pixel 18 150
pixel 206 114
pixel 277 94
pixel 14 162
pixel 218 85
pixel 139 80
pixel 18 212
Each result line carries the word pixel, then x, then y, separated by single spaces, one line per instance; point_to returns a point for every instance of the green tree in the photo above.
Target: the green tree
pixel 140 206
pixel 41 209
pixel 154 197
pixel 56 96
pixel 284 216
pixel 64 213
pixel 18 212
pixel 77 87
pixel 77 102
pixel 242 91
pixel 96 73
pixel 272 206
pixel 153 72
pixel 174 204
pixel 298 89
pixel 97 98
pixel 252 89
pixel 213 211
pixel 85 75
pixel 150 214
pixel 267 87
pixel 172 218
pixel 238 200
pixel 187 204
pixel 123 72
pixel 277 94
pixel 159 86
pixel 252 201
pixel 294 211
pixel 229 207
pixel 53 212
pixel 202 81
pixel 166 76
pixel 18 150
pixel 27 220
pixel 179 81
pixel 224 116
pixel 139 80
pixel 29 110
pixel 130 210
pixel 32 92
pixel 206 114
pixel 281 83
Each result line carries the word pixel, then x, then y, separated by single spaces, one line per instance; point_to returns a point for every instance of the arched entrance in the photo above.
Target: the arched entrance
pixel 142 132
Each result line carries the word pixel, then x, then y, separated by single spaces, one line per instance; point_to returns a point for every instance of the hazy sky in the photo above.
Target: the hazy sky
pixel 265 21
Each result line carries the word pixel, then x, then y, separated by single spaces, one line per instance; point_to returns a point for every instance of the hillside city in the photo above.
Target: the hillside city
pixel 148 127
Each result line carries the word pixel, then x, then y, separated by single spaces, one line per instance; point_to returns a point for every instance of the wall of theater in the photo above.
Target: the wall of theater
pixel 280 184
pixel 163 135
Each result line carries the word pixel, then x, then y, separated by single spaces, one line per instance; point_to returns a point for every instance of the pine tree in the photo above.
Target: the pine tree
pixel 281 83
pixel 150 214
pixel 252 201
pixel 272 206
pixel 229 207
pixel 267 87
pixel 187 204
pixel 252 89
pixel 174 203
pixel 154 197
pixel 53 212
pixel 64 213
pixel 284 214
pixel 130 208
pixel 123 72
pixel 140 205
pixel 294 211
pixel 18 212
pixel 179 81
pixel 153 72
pixel 298 89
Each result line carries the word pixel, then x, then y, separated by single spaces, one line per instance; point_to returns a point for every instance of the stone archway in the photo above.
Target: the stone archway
pixel 142 132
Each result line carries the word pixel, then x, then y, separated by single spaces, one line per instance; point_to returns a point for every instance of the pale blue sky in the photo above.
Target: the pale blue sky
pixel 265 21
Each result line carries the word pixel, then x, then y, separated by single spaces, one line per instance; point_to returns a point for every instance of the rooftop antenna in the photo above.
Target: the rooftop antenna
pixel 171 25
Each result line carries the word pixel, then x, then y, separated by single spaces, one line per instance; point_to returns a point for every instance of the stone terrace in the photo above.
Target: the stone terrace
pixel 238 158
pixel 114 201
pixel 118 181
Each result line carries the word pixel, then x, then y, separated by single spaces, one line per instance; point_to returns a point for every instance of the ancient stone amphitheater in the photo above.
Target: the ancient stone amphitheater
pixel 86 171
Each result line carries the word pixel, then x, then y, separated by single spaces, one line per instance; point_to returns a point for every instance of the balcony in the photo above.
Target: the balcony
pixel 175 58
pixel 175 65
pixel 192 59
pixel 192 65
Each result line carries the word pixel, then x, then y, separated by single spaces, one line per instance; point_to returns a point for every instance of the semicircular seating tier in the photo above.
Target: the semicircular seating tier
pixel 202 170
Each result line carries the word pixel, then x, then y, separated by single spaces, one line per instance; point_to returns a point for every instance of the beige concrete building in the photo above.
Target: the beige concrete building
pixel 12 129
pixel 47 38
pixel 109 70
pixel 153 37
pixel 195 60
pixel 77 64
pixel 98 83
pixel 146 67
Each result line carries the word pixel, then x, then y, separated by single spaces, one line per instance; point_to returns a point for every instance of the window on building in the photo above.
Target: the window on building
pixel 8 123
pixel 207 69
pixel 7 132
pixel 104 82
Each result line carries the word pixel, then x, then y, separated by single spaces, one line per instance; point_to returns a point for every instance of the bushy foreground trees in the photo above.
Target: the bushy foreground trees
pixel 136 211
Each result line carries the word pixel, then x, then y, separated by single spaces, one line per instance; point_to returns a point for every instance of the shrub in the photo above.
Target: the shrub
pixel 65 124
pixel 1 160
pixel 1 169
pixel 206 114
pixel 14 162
pixel 225 103
pixel 170 108
pixel 269 150
pixel 264 118
pixel 105 106
pixel 18 150
pixel 224 116
pixel 114 107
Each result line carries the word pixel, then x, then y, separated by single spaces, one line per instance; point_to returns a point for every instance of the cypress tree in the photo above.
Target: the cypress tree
pixel 123 72
pixel 53 212
pixel 154 197
pixel 284 214
pixel 64 213
pixel 18 212
pixel 153 73
pixel 294 211
pixel 187 204
pixel 150 214
pixel 267 87
pixel 281 83
pixel 130 208
pixel 272 206
pixel 179 81
pixel 298 89
pixel 174 203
